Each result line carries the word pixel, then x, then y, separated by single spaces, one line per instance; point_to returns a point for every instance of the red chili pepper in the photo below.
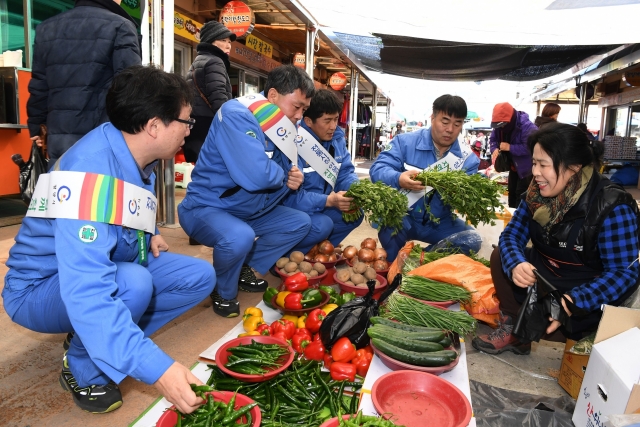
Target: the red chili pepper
pixel 314 351
pixel 362 361
pixel 285 326
pixel 343 350
pixel 300 341
pixel 328 360
pixel 293 301
pixel 342 371
pixel 314 320
pixel 265 329
pixel 296 283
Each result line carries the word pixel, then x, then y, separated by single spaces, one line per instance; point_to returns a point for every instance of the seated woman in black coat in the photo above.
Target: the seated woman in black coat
pixel 584 234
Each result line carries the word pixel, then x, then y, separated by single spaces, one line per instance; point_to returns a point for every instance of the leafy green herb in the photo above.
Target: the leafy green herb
pixel 473 196
pixel 381 204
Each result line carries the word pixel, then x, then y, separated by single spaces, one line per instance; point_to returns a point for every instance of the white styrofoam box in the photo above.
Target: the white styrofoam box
pixel 12 58
pixel 613 369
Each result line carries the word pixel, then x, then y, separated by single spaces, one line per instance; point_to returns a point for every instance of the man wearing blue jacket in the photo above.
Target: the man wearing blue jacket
pixel 408 154
pixel 81 260
pixel 316 196
pixel 233 202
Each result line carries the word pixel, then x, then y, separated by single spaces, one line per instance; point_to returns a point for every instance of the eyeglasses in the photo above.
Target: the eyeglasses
pixel 189 122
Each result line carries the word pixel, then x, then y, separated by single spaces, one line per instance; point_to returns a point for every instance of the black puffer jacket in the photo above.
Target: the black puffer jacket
pixel 76 54
pixel 210 71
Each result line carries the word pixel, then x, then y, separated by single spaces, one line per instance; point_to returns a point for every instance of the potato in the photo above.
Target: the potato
pixel 350 283
pixel 282 262
pixel 370 274
pixel 359 267
pixel 378 284
pixel 297 256
pixel 344 275
pixel 319 267
pixel 313 273
pixel 357 279
pixel 290 266
pixel 305 267
pixel 291 273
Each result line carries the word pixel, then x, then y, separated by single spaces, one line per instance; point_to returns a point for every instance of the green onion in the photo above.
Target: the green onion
pixel 431 290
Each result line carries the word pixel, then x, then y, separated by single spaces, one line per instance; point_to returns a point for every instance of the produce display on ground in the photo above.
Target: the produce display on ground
pixel 474 196
pixel 381 204
pixel 255 358
pixel 418 257
pixel 296 263
pixel 215 412
pixel 426 289
pixel 412 312
pixel 369 254
pixel 324 252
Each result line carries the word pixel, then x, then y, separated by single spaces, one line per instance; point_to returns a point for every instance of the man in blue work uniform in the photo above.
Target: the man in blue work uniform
pixel 233 202
pixel 409 153
pixel 316 196
pixel 96 277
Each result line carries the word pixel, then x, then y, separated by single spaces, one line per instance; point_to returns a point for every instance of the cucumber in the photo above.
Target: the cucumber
pixel 411 357
pixel 402 342
pixel 433 336
pixel 445 342
pixel 451 353
pixel 397 325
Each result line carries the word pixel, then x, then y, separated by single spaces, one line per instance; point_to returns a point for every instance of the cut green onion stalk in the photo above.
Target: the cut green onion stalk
pixel 407 310
pixel 431 290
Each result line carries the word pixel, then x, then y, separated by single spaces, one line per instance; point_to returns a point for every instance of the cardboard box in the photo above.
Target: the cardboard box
pixel 572 370
pixel 610 385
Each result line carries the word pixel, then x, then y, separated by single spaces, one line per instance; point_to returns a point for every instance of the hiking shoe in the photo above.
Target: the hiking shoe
pixel 225 307
pixel 501 339
pixel 248 281
pixel 97 399
pixel 67 341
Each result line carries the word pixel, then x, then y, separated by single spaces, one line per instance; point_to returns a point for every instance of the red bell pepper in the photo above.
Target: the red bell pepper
pixel 314 320
pixel 368 349
pixel 362 361
pixel 281 336
pixel 328 360
pixel 296 283
pixel 300 340
pixel 285 326
pixel 314 351
pixel 265 329
pixel 293 301
pixel 343 350
pixel 342 371
pixel 317 337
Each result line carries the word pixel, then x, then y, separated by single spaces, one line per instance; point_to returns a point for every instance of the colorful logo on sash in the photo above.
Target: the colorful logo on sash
pixel 64 193
pixel 267 114
pixel 133 206
pixel 298 139
pixel 101 199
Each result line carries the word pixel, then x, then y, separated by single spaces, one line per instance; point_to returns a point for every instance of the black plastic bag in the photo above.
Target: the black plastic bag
pixel 30 171
pixel 503 162
pixel 351 320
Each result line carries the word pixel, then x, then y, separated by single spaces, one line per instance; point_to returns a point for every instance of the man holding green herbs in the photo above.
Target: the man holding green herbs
pixel 436 148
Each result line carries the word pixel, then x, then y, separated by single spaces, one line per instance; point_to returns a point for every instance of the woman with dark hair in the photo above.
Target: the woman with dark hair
pixel 584 231
pixel 549 114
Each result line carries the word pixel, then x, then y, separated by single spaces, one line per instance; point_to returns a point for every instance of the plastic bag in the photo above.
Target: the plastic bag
pixel 465 241
pixel 503 162
pixel 583 346
pixel 532 323
pixel 351 319
pixel 30 171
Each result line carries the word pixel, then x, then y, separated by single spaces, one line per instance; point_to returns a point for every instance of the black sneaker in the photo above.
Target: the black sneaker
pixel 248 281
pixel 225 307
pixel 97 399
pixel 67 341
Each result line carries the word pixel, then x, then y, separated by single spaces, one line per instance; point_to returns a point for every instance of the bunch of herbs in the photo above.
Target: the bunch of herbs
pixel 380 203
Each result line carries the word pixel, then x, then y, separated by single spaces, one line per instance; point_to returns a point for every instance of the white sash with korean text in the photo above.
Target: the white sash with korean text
pixel 449 162
pixel 93 197
pixel 318 158
pixel 275 125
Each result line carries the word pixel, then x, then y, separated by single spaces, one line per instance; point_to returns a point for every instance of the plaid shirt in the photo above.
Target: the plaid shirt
pixel 618 247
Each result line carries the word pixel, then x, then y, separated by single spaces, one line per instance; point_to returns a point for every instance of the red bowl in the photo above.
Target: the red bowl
pixel 383 273
pixel 440 304
pixel 170 418
pixel 409 398
pixel 325 299
pixel 334 422
pixel 313 281
pixel 397 365
pixel 222 356
pixel 328 265
pixel 361 290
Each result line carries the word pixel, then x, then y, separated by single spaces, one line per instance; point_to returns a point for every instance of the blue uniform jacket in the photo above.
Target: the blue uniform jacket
pixel 416 149
pixel 311 197
pixel 87 271
pixel 237 157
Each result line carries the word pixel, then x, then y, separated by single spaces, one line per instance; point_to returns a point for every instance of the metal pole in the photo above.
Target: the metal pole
pixel 538 108
pixel 583 101
pixel 168 165
pixel 156 59
pixel 374 105
pixel 28 40
pixel 144 30
pixel 353 112
pixel 309 51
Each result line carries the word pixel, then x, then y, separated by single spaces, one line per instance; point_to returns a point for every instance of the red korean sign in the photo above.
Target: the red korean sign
pixel 238 18
pixel 338 81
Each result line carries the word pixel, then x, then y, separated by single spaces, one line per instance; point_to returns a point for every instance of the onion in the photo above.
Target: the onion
pixel 368 243
pixel 349 252
pixel 365 255
pixel 333 258
pixel 321 258
pixel 325 247
pixel 312 252
pixel 380 265
pixel 379 253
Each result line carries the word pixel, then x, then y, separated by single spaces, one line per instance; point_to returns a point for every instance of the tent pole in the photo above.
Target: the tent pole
pixel 353 113
pixel 372 127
